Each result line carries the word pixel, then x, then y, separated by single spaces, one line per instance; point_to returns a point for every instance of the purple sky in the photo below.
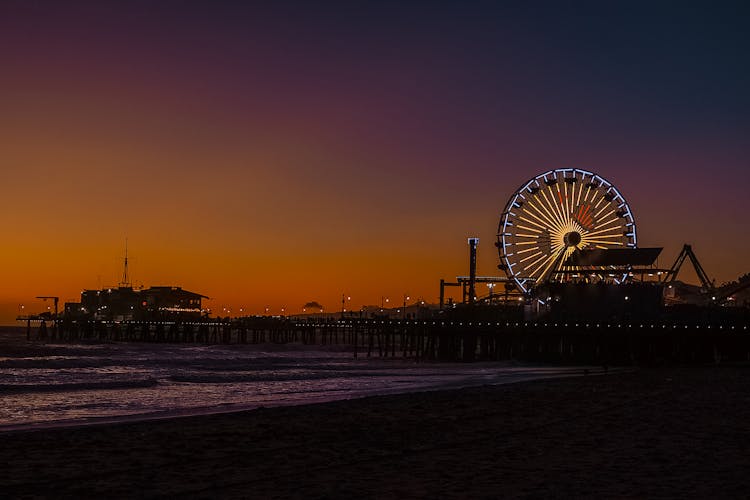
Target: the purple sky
pixel 271 153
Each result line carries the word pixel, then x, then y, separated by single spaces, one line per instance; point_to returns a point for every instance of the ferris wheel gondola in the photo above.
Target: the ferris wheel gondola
pixel 556 213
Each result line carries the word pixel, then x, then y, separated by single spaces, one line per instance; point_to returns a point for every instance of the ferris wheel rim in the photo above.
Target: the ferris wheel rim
pixel 561 221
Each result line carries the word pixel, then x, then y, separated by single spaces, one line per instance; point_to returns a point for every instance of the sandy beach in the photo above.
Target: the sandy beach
pixel 677 432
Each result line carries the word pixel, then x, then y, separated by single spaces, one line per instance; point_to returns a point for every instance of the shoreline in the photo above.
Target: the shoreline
pixel 666 432
pixel 232 408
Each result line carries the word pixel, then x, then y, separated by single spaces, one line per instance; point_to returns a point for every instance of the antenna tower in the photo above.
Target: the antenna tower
pixel 125 278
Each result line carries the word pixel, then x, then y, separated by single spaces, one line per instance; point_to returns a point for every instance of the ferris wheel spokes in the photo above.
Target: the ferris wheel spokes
pixel 553 215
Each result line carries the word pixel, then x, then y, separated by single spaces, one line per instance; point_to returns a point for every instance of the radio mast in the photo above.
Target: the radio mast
pixel 125 283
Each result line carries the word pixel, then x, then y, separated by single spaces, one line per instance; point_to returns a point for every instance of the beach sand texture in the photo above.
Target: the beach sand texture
pixel 680 432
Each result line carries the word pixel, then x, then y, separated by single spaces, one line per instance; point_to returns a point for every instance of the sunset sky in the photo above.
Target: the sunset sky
pixel 271 153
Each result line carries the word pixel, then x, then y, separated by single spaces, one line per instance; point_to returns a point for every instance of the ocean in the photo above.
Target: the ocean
pixel 63 384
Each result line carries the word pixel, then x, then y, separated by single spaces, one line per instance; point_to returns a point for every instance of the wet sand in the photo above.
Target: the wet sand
pixel 678 432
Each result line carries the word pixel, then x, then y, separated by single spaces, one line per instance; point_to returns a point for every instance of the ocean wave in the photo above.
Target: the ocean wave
pixel 76 386
pixel 254 377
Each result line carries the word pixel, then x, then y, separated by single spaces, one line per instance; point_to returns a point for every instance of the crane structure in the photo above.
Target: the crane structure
pixel 687 252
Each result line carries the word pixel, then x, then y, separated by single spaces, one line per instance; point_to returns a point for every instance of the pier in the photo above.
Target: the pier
pixel 602 343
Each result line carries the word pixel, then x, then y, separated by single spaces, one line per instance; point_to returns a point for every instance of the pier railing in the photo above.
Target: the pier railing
pixel 615 343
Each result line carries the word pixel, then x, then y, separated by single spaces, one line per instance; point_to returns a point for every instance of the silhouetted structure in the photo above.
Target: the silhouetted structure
pixel 577 289
pixel 473 242
pixel 127 303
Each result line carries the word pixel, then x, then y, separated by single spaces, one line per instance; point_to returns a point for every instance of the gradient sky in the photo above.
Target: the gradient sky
pixel 272 153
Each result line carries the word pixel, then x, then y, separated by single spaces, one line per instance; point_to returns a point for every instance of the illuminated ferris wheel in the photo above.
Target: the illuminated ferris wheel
pixel 553 215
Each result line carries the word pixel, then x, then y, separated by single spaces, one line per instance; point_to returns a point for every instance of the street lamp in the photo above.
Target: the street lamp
pixel 490 286
pixel 406 297
pixel 344 298
pixel 383 301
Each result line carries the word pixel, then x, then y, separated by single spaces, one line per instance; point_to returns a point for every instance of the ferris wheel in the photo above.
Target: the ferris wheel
pixel 555 213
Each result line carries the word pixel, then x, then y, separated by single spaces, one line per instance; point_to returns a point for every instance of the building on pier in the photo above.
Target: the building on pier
pixel 126 303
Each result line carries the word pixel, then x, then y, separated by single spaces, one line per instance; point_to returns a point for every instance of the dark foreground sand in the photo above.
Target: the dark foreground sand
pixel 682 432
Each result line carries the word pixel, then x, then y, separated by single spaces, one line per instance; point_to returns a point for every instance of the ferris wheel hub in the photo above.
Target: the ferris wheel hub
pixel 572 239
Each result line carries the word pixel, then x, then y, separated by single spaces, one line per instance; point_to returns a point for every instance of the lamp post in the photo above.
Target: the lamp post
pixel 406 297
pixel 344 298
pixel 490 286
pixel 421 306
pixel 383 300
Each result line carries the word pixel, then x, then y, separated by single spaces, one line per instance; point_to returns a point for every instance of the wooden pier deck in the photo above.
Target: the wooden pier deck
pixel 465 341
